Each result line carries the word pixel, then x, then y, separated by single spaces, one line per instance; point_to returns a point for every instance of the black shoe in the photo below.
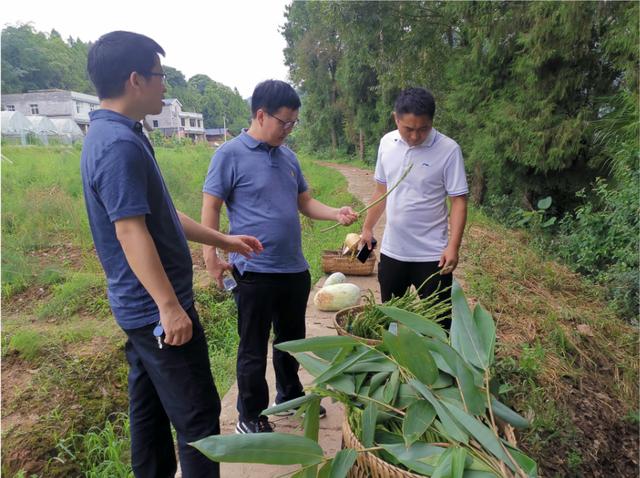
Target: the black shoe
pixel 287 413
pixel 259 425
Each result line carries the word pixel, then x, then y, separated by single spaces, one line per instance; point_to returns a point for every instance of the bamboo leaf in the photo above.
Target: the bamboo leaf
pixel 414 456
pixel 377 380
pixel 474 399
pixel 269 448
pixel 358 381
pixel 444 380
pixel 406 396
pixel 343 383
pixel 311 421
pixel 527 464
pixel 314 344
pixel 481 433
pixel 343 462
pixel 508 415
pixel 375 365
pixel 410 351
pixel 487 328
pixel 419 417
pixel 340 367
pixel 443 467
pixel 451 429
pixel 369 424
pixel 458 459
pixel 311 364
pixel 391 388
pixel 465 336
pixel 291 404
pixel 414 321
pixel 479 474
pixel 325 470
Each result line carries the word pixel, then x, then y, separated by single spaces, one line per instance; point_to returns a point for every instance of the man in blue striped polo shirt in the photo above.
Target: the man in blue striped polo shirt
pixel 260 181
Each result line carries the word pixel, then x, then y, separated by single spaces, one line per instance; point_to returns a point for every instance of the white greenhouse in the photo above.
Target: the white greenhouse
pixel 43 128
pixel 16 127
pixel 68 130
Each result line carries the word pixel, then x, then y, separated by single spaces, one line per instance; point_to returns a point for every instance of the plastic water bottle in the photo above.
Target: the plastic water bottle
pixel 229 283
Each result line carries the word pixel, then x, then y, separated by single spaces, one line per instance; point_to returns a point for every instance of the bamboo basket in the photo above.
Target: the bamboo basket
pixel 340 318
pixel 368 465
pixel 334 261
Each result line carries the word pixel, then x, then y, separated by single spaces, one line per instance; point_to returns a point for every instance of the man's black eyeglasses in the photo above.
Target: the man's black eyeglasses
pixel 163 76
pixel 285 124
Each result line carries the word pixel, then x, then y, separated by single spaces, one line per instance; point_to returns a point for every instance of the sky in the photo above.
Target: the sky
pixel 234 42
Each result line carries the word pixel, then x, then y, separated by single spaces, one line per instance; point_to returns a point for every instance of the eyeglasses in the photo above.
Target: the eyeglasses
pixel 285 124
pixel 163 76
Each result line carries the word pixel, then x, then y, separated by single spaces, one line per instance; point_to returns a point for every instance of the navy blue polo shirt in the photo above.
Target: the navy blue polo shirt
pixel 121 179
pixel 260 185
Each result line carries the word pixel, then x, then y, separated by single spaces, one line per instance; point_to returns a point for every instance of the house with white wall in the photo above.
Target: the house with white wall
pixel 53 104
pixel 173 121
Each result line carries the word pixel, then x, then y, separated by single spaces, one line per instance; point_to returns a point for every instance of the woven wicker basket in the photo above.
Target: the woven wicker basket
pixel 368 465
pixel 334 261
pixel 340 318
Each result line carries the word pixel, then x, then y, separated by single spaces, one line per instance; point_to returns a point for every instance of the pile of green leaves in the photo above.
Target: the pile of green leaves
pixel 372 321
pixel 421 400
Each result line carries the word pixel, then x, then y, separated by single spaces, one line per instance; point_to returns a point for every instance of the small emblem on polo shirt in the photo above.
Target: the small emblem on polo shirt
pixel 426 164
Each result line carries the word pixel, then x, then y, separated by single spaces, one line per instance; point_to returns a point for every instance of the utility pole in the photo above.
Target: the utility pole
pixel 224 122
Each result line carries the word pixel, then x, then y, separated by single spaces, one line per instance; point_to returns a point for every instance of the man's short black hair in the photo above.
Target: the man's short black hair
pixel 115 56
pixel 416 101
pixel 271 95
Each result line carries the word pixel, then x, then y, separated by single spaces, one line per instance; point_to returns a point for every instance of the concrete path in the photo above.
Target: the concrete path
pixel 318 324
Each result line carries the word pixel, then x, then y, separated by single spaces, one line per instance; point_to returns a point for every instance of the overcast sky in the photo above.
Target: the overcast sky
pixel 234 42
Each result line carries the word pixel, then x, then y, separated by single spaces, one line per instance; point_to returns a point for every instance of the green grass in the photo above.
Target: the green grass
pixel 67 336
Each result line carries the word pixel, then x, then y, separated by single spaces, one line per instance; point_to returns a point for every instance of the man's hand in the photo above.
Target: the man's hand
pixel 215 266
pixel 345 216
pixel 243 245
pixel 177 325
pixel 448 260
pixel 366 236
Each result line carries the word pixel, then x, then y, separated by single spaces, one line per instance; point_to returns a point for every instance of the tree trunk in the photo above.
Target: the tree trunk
pixel 478 184
pixel 361 145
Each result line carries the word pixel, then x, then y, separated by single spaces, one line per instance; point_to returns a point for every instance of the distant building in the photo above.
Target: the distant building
pixel 172 121
pixel 63 104
pixel 216 136
pixel 53 104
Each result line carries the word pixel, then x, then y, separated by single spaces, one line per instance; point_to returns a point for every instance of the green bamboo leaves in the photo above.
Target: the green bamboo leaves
pixel 261 448
pixel 409 350
pixel 419 400
pixel 472 335
pixel 419 417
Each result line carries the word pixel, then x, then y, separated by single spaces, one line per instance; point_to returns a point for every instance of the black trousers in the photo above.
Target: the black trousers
pixel 396 277
pixel 263 300
pixel 170 385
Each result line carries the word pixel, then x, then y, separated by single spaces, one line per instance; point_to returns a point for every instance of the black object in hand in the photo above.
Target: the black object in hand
pixel 364 251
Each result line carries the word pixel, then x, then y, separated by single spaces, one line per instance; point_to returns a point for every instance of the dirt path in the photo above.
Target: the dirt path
pixel 318 324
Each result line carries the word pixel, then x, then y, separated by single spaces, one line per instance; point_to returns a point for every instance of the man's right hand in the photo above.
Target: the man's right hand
pixel 177 325
pixel 366 237
pixel 216 266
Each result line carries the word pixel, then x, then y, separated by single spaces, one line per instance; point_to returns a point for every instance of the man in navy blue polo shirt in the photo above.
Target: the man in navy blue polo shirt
pixel 141 241
pixel 261 183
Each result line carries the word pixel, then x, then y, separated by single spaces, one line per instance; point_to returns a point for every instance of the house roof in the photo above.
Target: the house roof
pixel 169 101
pixel 214 131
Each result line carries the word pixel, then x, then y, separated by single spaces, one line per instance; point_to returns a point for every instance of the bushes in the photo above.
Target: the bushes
pixel 600 239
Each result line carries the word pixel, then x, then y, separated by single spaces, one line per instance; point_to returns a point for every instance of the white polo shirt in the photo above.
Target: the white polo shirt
pixel 417 216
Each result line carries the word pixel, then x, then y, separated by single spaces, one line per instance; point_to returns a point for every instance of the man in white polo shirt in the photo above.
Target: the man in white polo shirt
pixel 417 242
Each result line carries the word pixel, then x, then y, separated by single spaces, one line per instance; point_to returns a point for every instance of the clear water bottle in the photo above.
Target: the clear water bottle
pixel 229 283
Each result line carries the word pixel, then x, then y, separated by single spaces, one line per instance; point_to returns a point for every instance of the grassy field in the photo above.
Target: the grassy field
pixel 64 371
